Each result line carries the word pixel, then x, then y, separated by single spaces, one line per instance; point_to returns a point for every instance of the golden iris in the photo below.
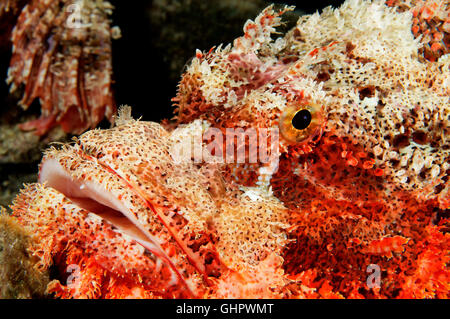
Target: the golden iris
pixel 299 123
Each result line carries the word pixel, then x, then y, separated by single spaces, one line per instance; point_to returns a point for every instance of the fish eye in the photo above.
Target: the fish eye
pixel 299 123
pixel 301 119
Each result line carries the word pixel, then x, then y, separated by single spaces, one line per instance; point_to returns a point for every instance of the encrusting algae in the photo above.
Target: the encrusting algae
pixel 18 277
pixel 356 114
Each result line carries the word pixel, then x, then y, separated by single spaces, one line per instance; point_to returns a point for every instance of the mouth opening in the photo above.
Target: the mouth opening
pixel 95 199
pixel 113 216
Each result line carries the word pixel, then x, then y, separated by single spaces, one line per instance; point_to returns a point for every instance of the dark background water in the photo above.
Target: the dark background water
pixel 141 72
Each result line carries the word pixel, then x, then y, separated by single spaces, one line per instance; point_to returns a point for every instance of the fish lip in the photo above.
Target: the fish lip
pixel 52 173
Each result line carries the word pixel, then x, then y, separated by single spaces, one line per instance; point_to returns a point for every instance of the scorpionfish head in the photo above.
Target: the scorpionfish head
pixel 356 112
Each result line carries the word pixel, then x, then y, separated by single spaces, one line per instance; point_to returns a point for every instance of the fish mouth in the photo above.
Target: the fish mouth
pixel 113 216
pixel 95 199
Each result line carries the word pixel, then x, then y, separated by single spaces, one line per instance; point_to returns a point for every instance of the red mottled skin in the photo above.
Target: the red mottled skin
pixel 364 186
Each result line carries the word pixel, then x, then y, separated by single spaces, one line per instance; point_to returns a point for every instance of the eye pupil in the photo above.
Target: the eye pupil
pixel 301 119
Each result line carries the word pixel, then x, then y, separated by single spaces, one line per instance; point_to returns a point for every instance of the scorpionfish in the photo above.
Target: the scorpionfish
pixel 362 109
pixel 61 56
pixel 353 203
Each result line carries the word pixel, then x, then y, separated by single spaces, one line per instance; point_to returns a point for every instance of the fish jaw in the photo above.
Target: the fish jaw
pixel 127 230
pixel 100 189
pixel 90 252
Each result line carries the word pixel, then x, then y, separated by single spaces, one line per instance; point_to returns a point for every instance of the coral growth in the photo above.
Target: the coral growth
pixel 62 56
pixel 18 276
